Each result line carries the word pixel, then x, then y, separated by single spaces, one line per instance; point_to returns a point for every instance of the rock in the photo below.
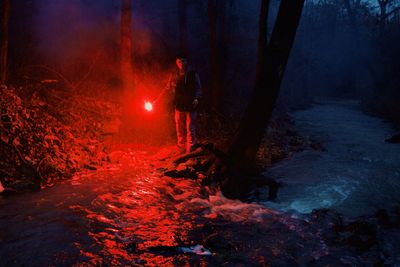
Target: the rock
pixel 327 217
pixel 116 156
pixel 383 217
pixel 317 146
pixel 90 167
pixel 391 246
pixel 219 244
pixel 361 242
pixel 132 247
pixel 111 127
pixel 290 132
pixel 395 139
pixel 363 234
pixel 362 226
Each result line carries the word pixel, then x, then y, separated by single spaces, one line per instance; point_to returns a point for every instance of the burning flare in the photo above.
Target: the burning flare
pixel 148 106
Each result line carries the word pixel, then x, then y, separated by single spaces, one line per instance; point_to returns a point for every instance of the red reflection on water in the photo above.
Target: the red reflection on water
pixel 143 208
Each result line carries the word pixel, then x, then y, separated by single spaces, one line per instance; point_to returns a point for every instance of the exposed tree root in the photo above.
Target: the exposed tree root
pixel 215 169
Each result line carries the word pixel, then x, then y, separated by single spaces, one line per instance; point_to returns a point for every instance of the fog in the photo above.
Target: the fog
pixel 337 52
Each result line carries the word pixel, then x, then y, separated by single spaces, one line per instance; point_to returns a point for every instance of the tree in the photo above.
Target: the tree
pixel 352 7
pixel 218 50
pixel 126 44
pixel 271 68
pixel 262 38
pixel 384 14
pixel 183 34
pixel 5 15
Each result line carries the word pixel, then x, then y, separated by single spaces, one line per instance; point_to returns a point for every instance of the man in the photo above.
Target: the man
pixel 185 83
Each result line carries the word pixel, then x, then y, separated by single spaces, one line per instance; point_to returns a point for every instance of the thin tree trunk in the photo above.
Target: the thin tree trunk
pixel 222 54
pixel 382 16
pixel 262 38
pixel 259 110
pixel 5 16
pixel 183 33
pixel 212 28
pixel 352 8
pixel 126 45
pixel 218 50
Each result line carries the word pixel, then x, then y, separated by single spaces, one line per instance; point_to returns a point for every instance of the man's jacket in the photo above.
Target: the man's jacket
pixel 186 89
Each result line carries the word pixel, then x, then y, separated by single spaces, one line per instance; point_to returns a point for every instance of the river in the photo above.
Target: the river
pixel 127 213
pixel 356 173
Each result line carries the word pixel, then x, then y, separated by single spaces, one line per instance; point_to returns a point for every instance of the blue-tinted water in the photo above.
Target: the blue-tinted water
pixel 356 174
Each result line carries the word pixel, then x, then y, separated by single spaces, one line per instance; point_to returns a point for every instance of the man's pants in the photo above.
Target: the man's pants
pixel 185 123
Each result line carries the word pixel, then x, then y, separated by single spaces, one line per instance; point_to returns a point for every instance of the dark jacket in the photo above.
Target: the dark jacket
pixel 186 89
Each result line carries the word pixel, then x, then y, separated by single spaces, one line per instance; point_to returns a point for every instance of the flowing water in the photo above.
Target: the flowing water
pixel 356 173
pixel 127 213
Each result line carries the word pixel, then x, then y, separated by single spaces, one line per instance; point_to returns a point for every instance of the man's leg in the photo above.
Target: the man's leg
pixel 191 121
pixel 180 128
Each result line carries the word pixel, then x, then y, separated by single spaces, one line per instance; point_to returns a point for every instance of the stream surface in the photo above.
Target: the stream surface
pixel 127 213
pixel 356 173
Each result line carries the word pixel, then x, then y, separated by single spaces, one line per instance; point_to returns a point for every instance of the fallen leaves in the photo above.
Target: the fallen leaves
pixel 55 132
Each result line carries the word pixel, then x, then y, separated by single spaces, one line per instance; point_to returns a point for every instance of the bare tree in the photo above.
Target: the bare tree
pixel 271 68
pixel 262 38
pixel 212 28
pixel 5 15
pixel 352 7
pixel 218 49
pixel 183 33
pixel 230 169
pixel 126 44
pixel 385 13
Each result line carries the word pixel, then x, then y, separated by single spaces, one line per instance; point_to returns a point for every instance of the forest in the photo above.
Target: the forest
pixel 200 133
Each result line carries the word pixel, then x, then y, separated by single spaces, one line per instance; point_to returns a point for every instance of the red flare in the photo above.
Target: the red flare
pixel 148 106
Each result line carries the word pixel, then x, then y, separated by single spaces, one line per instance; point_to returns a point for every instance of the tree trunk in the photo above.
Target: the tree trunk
pixel 262 38
pixel 218 50
pixel 212 29
pixel 382 16
pixel 5 15
pixel 126 45
pixel 270 74
pixel 183 33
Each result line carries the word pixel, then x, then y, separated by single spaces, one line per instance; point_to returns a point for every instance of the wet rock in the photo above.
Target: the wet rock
pixel 362 226
pixel 21 186
pixel 327 217
pixel 361 242
pixel 182 172
pixel 383 217
pixel 219 244
pixel 330 224
pixel 291 132
pixel 317 146
pixel 116 156
pixel 395 139
pixel 283 262
pixel 390 245
pixel 372 258
pixel 363 234
pixel 90 167
pixel 132 247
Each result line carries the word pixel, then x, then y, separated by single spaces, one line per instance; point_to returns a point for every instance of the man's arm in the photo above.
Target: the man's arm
pixel 199 91
pixel 169 87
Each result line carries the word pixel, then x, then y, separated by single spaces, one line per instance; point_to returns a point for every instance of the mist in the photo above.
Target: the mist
pixel 199 133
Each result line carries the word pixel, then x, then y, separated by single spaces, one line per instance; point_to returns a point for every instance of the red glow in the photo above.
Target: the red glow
pixel 148 106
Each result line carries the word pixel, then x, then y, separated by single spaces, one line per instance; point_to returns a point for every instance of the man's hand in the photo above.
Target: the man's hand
pixel 195 103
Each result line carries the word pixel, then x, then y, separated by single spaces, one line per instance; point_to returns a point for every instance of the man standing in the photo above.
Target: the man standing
pixel 185 83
